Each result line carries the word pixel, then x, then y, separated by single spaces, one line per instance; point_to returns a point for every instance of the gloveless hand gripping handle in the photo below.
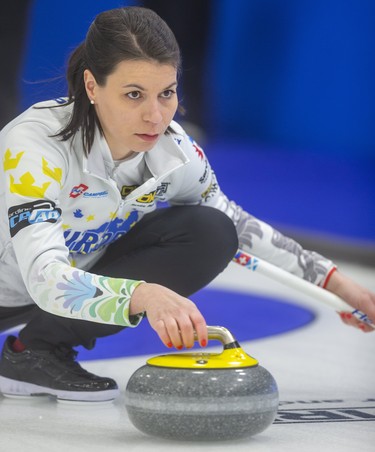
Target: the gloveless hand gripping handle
pixel 221 334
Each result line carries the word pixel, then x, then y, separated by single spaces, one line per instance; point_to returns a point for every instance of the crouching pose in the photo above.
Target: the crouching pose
pixel 84 250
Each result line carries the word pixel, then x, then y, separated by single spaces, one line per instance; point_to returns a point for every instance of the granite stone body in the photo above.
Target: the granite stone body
pixel 202 405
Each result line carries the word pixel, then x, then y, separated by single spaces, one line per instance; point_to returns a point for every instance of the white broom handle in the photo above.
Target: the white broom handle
pixel 260 266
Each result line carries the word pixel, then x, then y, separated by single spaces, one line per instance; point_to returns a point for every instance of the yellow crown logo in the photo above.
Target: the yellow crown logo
pixel 9 162
pixel 55 174
pixel 27 187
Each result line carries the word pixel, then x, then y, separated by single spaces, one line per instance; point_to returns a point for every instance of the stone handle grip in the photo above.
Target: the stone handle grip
pixel 221 334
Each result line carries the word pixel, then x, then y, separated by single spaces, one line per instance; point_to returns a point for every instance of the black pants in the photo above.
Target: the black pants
pixel 182 248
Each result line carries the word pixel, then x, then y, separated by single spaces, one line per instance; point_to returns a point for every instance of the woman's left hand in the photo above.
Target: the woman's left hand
pixel 355 295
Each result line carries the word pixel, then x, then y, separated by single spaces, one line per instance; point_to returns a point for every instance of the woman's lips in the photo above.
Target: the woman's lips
pixel 147 137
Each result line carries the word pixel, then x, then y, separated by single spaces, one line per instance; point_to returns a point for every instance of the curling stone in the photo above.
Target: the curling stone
pixel 203 396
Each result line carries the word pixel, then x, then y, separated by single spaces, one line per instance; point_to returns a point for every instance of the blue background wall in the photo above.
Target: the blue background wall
pixel 290 100
pixel 298 72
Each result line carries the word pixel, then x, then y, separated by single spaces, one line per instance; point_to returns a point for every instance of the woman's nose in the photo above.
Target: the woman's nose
pixel 152 113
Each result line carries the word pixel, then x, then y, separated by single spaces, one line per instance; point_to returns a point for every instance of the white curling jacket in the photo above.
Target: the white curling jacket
pixel 59 210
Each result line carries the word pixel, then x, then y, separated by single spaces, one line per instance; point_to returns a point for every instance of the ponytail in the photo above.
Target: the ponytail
pixel 83 114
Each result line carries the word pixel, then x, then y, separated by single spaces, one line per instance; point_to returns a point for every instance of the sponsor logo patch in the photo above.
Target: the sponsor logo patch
pixel 210 192
pixel 198 151
pixel 162 189
pixel 97 194
pixel 147 198
pixel 204 176
pixel 78 190
pixel 81 189
pixel 31 213
pixel 127 189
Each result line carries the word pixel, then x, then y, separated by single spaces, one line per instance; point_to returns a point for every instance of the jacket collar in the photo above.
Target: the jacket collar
pixel 164 158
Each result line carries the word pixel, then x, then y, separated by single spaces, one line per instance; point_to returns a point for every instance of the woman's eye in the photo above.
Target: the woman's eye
pixel 168 93
pixel 134 95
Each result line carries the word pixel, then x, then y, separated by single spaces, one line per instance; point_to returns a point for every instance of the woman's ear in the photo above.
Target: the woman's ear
pixel 90 85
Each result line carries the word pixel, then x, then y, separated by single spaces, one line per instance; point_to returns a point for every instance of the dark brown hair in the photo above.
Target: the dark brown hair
pixel 129 33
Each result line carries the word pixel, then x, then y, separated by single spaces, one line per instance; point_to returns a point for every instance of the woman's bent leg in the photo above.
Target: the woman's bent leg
pixel 182 248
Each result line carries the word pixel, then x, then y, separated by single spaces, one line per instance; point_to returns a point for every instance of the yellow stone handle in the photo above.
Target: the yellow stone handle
pixel 231 357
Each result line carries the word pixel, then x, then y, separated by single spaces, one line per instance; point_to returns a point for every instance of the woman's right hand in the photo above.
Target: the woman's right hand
pixel 173 317
pixel 357 296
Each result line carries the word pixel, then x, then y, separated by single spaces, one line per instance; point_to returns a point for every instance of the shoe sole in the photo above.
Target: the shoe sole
pixel 22 389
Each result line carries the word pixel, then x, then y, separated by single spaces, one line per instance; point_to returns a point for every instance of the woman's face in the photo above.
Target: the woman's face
pixel 135 106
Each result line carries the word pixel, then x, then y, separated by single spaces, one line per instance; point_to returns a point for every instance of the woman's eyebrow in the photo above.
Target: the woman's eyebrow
pixel 135 85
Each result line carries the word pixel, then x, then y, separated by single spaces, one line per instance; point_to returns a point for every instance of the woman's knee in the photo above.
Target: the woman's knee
pixel 214 230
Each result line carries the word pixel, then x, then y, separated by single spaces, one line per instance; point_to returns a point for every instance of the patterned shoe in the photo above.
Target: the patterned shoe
pixel 40 372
